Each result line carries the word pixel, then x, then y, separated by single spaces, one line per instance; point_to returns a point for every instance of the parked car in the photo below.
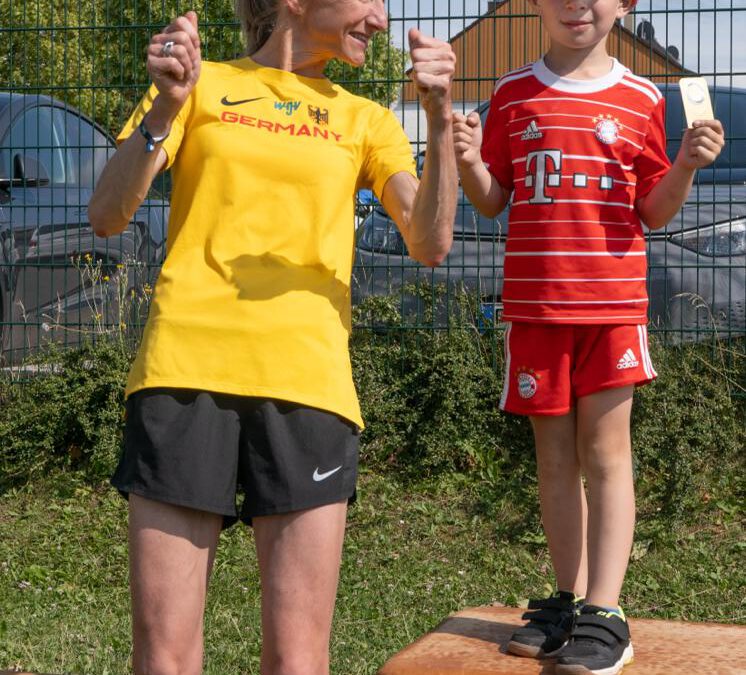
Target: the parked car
pixel 56 278
pixel 696 265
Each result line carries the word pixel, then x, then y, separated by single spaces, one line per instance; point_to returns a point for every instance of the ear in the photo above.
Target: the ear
pixel 295 7
pixel 625 7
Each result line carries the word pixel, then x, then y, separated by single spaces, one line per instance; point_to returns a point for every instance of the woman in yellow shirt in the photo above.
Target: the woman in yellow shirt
pixel 243 376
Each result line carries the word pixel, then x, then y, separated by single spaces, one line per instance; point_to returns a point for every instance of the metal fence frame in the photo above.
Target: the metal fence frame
pixel 92 57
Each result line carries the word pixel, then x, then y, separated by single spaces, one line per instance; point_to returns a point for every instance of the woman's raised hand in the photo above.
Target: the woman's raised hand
pixel 433 66
pixel 174 61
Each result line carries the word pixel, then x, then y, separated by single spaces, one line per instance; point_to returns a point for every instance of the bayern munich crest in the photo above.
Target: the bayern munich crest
pixel 528 382
pixel 607 129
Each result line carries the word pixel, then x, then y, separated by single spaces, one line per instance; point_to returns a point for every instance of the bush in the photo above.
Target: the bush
pixel 68 415
pixel 430 402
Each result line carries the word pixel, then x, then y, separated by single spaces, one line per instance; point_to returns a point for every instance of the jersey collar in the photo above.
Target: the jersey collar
pixel 566 84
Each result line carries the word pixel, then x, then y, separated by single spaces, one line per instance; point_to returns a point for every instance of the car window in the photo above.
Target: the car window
pixel 87 149
pixel 35 134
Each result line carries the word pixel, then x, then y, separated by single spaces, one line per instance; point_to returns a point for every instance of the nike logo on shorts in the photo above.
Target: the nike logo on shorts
pixel 318 477
pixel 225 100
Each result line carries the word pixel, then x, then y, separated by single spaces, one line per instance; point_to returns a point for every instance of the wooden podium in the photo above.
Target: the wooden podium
pixel 472 642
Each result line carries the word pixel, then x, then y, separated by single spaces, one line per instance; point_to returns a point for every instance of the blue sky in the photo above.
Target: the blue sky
pixel 707 39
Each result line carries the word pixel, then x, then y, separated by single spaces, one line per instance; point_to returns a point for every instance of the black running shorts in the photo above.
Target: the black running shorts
pixel 197 449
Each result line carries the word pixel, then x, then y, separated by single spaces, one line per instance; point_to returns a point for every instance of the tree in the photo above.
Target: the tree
pixel 92 54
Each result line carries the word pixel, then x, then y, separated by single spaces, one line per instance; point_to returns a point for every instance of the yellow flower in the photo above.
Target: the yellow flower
pixel 106 278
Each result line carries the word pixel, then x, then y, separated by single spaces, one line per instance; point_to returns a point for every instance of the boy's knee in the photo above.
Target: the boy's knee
pixel 606 461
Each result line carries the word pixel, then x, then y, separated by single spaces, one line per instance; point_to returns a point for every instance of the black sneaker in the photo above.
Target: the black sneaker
pixel 599 645
pixel 548 628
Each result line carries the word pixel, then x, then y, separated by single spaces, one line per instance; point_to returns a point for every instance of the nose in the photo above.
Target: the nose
pixel 379 17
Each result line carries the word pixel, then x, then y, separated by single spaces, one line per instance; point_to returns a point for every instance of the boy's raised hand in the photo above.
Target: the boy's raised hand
pixel 467 138
pixel 701 144
pixel 175 69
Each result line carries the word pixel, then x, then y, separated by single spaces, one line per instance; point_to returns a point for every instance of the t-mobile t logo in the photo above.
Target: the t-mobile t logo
pixel 543 169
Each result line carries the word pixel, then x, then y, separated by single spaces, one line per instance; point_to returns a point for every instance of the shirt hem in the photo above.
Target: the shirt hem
pixel 577 321
pixel 238 390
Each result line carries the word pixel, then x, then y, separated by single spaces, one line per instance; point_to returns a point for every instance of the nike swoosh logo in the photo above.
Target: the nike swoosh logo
pixel 225 100
pixel 323 476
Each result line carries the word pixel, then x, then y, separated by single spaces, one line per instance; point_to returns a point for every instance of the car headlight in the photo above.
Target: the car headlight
pixel 381 235
pixel 723 239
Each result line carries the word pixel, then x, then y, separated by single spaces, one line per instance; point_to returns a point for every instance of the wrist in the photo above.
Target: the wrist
pixel 160 117
pixel 439 117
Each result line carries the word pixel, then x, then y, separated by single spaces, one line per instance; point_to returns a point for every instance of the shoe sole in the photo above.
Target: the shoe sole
pixel 531 652
pixel 519 649
pixel 576 669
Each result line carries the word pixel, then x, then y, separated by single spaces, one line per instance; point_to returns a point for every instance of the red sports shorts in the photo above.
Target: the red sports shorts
pixel 548 367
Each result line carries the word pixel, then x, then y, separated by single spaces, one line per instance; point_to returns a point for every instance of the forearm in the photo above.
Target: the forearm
pixel 430 230
pixel 126 179
pixel 663 202
pixel 482 189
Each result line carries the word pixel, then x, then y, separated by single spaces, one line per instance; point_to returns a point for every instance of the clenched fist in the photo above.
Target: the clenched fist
pixel 433 66
pixel 174 61
pixel 467 138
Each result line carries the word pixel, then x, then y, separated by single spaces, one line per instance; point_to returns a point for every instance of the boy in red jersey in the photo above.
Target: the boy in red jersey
pixel 579 141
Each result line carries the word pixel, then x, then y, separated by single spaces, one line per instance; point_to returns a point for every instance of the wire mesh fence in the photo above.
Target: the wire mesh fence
pixel 71 73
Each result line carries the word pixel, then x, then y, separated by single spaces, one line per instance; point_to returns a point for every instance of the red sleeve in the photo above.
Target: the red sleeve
pixel 496 143
pixel 653 163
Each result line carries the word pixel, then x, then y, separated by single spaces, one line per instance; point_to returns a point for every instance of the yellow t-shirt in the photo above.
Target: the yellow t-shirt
pixel 254 295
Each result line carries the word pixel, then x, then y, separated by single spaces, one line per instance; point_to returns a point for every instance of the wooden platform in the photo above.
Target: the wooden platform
pixel 472 642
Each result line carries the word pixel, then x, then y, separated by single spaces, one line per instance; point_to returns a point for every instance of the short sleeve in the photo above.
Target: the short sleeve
pixel 496 143
pixel 388 152
pixel 653 163
pixel 172 143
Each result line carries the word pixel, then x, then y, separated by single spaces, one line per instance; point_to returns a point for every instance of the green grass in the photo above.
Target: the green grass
pixel 413 554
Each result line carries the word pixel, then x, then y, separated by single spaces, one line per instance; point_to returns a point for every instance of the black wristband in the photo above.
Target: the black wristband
pixel 150 140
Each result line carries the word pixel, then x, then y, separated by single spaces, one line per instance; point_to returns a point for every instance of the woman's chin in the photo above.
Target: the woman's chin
pixel 354 60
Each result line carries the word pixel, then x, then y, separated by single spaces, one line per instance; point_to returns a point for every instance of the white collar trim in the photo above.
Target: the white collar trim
pixel 567 84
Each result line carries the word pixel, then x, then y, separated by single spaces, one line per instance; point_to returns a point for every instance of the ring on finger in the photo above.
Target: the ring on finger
pixel 167 49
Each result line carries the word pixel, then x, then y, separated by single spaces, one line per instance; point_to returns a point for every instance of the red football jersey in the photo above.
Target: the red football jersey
pixel 576 154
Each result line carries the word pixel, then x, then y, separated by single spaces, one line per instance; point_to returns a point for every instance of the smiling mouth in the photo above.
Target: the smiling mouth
pixel 361 37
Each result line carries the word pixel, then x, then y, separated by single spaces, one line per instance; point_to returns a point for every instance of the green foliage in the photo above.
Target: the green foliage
pixel 429 398
pixel 68 414
pixel 379 79
pixel 688 432
pixel 92 54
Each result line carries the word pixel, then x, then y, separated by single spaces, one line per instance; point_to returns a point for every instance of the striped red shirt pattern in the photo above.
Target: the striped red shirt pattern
pixel 576 154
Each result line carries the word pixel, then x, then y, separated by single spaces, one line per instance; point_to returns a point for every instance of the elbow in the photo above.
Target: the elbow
pixel 102 224
pixel 432 261
pixel 433 257
pixel 489 211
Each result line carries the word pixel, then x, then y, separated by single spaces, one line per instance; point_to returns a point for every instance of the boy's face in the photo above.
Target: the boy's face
pixel 579 24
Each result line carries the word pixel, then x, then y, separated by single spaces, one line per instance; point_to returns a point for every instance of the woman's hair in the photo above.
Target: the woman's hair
pixel 257 19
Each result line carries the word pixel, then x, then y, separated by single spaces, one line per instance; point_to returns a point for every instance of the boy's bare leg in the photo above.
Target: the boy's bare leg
pixel 299 557
pixel 605 452
pixel 171 554
pixel 562 498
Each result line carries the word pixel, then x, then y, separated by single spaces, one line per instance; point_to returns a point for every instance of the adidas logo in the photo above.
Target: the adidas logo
pixel 627 361
pixel 532 132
